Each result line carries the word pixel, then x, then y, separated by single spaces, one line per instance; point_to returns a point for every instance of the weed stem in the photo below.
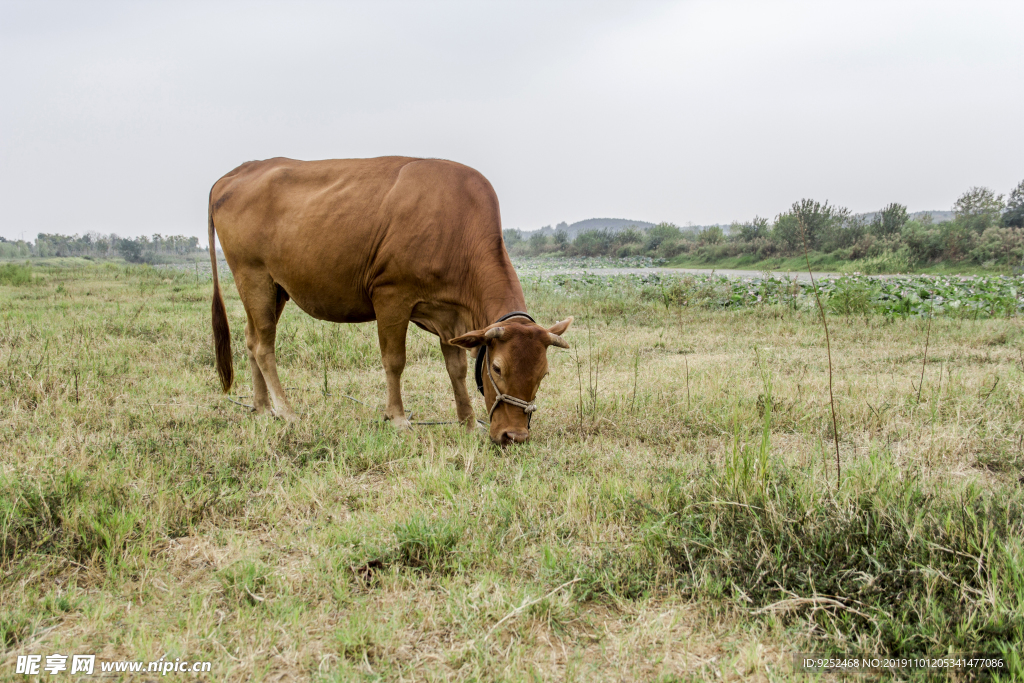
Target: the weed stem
pixel 828 347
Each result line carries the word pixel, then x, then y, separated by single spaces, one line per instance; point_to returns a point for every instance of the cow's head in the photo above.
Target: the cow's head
pixel 517 358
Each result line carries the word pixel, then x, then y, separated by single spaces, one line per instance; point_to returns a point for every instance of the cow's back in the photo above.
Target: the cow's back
pixel 335 233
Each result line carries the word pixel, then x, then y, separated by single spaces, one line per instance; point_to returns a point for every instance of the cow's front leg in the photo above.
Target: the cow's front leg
pixel 391 335
pixel 455 361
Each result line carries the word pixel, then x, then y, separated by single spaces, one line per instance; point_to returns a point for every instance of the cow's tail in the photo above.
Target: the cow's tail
pixel 221 332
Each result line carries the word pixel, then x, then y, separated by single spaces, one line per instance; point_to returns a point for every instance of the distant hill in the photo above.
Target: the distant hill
pixel 937 216
pixel 609 224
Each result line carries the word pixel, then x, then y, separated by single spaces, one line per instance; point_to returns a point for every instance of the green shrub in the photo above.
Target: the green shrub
pixel 538 243
pixel 15 275
pixel 999 245
pixel 810 222
pixel 671 248
pixel 592 243
pixel 710 235
pixel 663 232
pixel 889 221
pixel 924 242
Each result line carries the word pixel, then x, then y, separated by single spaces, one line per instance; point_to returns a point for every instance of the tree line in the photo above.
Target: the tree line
pixel 986 230
pixel 152 249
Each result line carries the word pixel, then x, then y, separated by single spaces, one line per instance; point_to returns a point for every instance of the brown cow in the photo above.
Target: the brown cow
pixel 395 240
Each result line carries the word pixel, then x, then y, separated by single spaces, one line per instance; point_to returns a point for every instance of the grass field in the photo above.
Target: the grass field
pixel 676 515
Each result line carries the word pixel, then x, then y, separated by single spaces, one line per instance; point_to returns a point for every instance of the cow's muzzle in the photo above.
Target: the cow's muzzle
pixel 511 436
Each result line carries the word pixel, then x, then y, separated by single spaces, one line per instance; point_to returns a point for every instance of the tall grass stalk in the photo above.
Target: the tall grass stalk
pixel 594 371
pixel 636 374
pixel 924 361
pixel 686 366
pixel 579 384
pixel 828 347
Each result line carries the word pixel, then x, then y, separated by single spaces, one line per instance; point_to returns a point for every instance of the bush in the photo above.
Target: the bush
pixel 15 275
pixel 810 222
pixel 1014 215
pixel 716 252
pixel 671 248
pixel 131 250
pixel 958 239
pixel 662 232
pixel 862 247
pixel 999 245
pixel 710 235
pixel 538 243
pixel 924 242
pixel 592 243
pixel 978 209
pixel 630 236
pixel 889 221
pixel 764 247
pixel 844 234
pixel 748 232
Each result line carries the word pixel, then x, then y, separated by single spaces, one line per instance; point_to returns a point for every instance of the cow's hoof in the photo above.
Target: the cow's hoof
pixel 401 424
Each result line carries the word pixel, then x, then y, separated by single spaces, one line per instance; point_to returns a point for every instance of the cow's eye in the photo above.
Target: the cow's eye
pixel 497 370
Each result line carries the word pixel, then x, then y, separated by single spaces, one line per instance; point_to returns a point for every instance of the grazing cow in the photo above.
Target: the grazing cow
pixel 395 240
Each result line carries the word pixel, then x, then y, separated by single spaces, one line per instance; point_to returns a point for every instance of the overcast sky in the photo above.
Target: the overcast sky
pixel 119 117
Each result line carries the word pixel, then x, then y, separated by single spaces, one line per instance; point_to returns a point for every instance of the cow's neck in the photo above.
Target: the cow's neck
pixel 501 294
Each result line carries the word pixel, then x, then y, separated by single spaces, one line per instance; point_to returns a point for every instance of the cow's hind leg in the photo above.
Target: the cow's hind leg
pixel 455 362
pixel 260 397
pixel 391 335
pixel 264 301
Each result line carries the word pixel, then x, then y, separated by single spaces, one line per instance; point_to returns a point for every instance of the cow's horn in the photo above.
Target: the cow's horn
pixel 494 333
pixel 557 341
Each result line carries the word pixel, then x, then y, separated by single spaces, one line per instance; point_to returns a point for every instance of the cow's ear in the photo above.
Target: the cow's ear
pixel 560 327
pixel 470 340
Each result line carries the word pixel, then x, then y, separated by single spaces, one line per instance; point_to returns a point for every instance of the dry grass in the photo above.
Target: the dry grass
pixel 147 516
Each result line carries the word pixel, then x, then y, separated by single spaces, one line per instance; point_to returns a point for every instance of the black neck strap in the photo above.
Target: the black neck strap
pixel 480 354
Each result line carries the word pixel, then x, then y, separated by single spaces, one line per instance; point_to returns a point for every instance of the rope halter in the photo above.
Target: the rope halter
pixel 527 407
